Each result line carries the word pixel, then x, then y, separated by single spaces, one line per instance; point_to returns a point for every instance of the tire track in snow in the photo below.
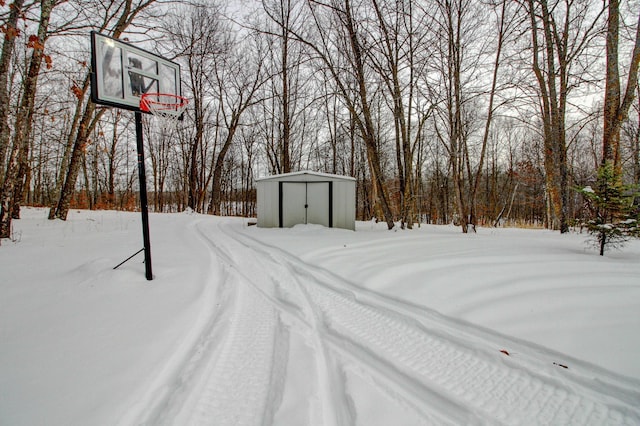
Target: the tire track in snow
pixel 290 301
pixel 165 397
pixel 236 389
pixel 291 297
pixel 415 357
pixel 493 389
pixel 336 408
pixel 241 382
pixel 232 373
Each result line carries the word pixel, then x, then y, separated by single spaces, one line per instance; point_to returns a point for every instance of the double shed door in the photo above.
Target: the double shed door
pixel 306 203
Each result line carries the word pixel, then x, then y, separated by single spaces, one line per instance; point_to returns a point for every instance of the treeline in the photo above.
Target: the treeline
pixel 445 111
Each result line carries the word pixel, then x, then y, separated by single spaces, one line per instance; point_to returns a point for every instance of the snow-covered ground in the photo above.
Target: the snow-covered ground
pixel 313 326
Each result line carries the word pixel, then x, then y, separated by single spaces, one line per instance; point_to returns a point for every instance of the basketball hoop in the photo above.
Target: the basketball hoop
pixel 167 106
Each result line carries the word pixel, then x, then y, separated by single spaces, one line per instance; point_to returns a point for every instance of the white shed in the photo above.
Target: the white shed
pixel 306 197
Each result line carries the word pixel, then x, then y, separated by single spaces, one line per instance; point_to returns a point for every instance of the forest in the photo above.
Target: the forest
pixel 471 112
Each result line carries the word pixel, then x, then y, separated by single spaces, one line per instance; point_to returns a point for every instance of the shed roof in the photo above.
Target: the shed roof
pixel 286 176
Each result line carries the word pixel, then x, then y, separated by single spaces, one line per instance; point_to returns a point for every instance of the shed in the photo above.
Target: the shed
pixel 306 198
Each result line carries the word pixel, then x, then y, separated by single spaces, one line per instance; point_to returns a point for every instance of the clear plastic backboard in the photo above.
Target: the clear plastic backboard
pixel 122 73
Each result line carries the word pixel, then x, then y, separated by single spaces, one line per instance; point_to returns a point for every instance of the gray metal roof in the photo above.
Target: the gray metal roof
pixel 301 175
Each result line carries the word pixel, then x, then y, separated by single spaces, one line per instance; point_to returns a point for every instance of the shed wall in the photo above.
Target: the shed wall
pixel 267 199
pixel 344 205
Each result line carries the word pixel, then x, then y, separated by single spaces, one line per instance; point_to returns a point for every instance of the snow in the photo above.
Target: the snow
pixel 315 326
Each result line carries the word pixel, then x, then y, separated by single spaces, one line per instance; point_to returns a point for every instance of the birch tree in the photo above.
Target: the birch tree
pixel 11 31
pixel 24 117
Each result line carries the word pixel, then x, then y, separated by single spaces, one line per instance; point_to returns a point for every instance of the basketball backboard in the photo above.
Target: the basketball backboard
pixel 121 73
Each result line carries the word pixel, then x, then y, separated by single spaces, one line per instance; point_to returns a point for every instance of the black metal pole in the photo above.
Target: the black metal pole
pixel 127 259
pixel 143 197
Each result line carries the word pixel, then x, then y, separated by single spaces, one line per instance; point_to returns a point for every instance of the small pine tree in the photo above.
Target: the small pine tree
pixel 614 216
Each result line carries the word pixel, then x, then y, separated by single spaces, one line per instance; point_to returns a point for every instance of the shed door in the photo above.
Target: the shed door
pixel 305 202
pixel 318 202
pixel 294 196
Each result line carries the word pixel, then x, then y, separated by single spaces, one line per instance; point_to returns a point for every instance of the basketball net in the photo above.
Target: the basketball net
pixel 167 107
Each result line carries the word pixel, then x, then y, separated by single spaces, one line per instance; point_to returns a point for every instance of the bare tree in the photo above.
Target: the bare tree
pixel 458 29
pixel 337 18
pixel 24 118
pixel 236 82
pixel 286 107
pixel 86 116
pixel 393 56
pixel 200 35
pixel 505 27
pixel 561 31
pixel 281 13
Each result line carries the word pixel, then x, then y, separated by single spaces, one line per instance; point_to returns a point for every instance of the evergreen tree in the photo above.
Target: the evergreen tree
pixel 614 216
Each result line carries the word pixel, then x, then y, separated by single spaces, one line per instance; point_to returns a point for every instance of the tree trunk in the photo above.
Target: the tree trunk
pixel 490 110
pixel 404 153
pixel 68 149
pixel 617 105
pixel 22 181
pixel 286 119
pixel 553 113
pixel 367 127
pixel 11 33
pixel 24 118
pixel 455 140
pixel 635 149
pixel 86 126
pixel 216 190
